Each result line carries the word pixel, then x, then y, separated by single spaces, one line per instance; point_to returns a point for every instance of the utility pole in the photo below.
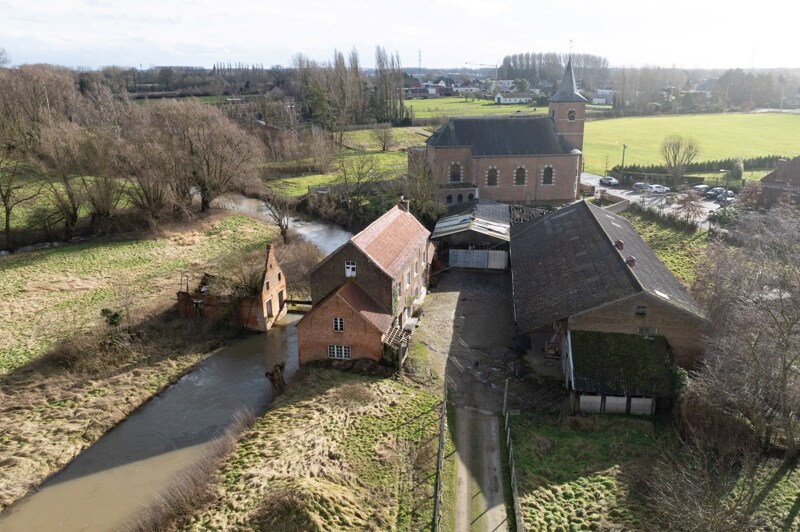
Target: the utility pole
pixel 622 166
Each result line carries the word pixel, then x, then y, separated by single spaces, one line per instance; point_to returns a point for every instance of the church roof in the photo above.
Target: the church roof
pixel 567 91
pixel 497 136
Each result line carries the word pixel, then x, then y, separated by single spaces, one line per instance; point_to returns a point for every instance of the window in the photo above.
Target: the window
pixel 460 198
pixel 279 276
pixel 350 268
pixel 340 352
pixel 470 196
pixel 571 115
pixel 641 311
pixel 519 176
pixel 416 268
pixel 266 284
pixel 645 331
pixel 408 279
pixel 449 199
pixel 552 114
pixel 338 324
pixel 491 177
pixel 547 176
pixel 455 172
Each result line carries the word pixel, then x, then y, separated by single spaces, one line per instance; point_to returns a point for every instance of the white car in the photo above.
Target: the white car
pixel 657 189
pixel 609 181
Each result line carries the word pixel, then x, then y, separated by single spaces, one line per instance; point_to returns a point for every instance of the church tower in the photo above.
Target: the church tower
pixel 568 109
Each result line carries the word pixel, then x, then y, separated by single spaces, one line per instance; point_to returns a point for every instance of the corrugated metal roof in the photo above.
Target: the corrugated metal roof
pixel 481 216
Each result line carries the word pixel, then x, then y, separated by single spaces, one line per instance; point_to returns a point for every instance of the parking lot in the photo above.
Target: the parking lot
pixel 658 201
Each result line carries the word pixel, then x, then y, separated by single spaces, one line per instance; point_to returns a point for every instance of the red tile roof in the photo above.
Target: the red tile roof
pixel 392 240
pixel 356 297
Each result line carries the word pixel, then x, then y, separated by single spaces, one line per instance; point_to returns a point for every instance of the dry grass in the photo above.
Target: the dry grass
pixel 68 377
pixel 338 451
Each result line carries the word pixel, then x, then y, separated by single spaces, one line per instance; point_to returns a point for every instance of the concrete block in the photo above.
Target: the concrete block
pixel 616 404
pixel 590 404
pixel 642 406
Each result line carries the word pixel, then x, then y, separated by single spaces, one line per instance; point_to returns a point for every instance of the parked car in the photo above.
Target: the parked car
pixel 727 201
pixel 725 194
pixel 657 189
pixel 701 189
pixel 640 186
pixel 609 181
pixel 714 192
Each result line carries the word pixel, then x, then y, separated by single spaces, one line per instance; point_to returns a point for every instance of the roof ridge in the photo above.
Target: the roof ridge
pixel 611 242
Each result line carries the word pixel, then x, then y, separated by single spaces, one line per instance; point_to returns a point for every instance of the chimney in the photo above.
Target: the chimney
pixel 403 204
pixel 619 244
pixel 631 261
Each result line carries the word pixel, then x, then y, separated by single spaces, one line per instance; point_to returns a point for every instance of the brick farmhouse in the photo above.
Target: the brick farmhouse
pixel 783 182
pixel 366 288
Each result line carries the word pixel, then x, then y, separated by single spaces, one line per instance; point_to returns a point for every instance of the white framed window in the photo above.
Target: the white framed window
pixel 349 268
pixel 339 352
pixel 416 268
pixel 338 324
pixel 408 279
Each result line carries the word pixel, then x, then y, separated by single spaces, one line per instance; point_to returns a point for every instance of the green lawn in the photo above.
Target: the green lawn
pixel 719 136
pixel 577 474
pixel 402 138
pixel 430 108
pixel 392 164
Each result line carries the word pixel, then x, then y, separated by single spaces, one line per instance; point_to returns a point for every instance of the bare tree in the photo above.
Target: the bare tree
pixel 355 174
pixel 420 187
pixel 4 59
pixel 384 135
pixel 280 208
pixel 14 188
pixel 691 205
pixel 678 153
pixel 752 292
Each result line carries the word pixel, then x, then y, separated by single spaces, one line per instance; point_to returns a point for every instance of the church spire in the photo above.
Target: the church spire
pixel 567 91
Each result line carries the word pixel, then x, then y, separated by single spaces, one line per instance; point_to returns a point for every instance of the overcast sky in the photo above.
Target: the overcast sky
pixel 450 33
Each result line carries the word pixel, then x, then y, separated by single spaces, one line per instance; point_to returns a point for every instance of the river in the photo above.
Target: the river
pixel 106 485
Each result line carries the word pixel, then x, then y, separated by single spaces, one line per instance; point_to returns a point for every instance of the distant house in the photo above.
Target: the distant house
pixel 380 274
pixel 255 312
pixel 512 98
pixel 512 159
pixel 583 271
pixel 783 182
pixel 602 97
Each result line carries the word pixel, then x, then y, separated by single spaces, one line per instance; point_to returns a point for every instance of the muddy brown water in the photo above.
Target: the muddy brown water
pixel 104 487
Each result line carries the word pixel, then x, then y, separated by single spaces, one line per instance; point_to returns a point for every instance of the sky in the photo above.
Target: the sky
pixel 449 33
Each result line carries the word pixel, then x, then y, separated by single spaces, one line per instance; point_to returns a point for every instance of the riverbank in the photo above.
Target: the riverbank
pixel 54 407
pixel 338 451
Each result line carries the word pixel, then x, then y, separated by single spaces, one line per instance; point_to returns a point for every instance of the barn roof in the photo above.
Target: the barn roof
pixel 497 136
pixel 482 216
pixel 392 240
pixel 566 263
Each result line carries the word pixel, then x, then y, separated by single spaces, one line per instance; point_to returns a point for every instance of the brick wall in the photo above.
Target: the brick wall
pixel 315 332
pixel 683 331
pixel 330 275
pixel 571 130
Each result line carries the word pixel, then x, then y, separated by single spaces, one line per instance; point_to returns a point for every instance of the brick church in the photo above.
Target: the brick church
pixel 513 159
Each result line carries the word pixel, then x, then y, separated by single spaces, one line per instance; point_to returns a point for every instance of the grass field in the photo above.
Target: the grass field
pixel 402 138
pixel 456 106
pixel 42 291
pixel 338 451
pixel 577 474
pixel 392 164
pixel 719 137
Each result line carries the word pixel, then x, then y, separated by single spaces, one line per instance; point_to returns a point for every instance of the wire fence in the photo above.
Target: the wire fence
pixel 437 505
pixel 511 468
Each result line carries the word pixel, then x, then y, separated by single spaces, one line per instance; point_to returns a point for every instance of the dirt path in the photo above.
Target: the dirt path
pixel 468 317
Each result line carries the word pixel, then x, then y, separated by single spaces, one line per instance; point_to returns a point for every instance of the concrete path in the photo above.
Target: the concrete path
pixel 467 316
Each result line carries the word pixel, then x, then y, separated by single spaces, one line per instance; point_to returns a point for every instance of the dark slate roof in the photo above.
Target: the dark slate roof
pixel 491 136
pixel 565 263
pixel 567 91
